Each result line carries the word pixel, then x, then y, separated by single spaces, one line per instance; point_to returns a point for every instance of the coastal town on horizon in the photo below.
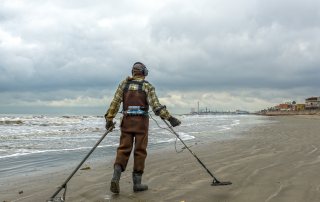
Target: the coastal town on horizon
pixel 310 107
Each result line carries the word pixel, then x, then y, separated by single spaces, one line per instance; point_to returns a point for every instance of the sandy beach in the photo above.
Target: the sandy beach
pixel 275 162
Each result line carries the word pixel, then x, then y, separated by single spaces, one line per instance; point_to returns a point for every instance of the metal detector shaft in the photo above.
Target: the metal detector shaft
pixel 77 168
pixel 214 179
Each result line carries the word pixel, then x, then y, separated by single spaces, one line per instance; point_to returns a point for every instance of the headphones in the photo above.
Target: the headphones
pixel 140 66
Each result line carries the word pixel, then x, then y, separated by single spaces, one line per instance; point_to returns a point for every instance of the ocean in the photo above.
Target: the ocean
pixel 31 144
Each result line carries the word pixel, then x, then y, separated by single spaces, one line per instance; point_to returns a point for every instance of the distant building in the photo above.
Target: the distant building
pixel 241 112
pixel 299 107
pixel 283 107
pixel 313 103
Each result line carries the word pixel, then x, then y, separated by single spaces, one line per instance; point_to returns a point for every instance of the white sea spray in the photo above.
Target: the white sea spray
pixel 27 134
pixel 36 143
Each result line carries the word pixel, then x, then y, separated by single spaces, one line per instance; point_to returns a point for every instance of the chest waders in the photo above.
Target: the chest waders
pixel 134 134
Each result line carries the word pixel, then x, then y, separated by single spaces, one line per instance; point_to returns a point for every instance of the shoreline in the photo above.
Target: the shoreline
pixel 277 161
pixel 40 161
pixel 290 113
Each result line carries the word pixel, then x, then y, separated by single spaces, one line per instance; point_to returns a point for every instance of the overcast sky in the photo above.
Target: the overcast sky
pixel 245 54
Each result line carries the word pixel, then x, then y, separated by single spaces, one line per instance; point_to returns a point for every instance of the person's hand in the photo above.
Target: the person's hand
pixel 109 124
pixel 174 121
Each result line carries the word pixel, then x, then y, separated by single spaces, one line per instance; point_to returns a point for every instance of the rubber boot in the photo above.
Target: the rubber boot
pixel 114 186
pixel 137 186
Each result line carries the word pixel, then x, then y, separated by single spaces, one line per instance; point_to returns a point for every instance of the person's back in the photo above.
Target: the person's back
pixel 137 95
pixel 135 106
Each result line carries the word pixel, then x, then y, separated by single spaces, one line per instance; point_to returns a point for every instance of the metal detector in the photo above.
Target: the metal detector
pixel 54 197
pixel 215 181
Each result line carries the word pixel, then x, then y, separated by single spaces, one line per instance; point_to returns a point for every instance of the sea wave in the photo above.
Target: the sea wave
pixel 40 134
pixel 24 152
pixel 11 122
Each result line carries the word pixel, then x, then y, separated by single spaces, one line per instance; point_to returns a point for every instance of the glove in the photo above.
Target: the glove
pixel 174 121
pixel 109 124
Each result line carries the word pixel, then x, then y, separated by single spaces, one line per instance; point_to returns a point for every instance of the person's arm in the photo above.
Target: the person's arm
pixel 157 108
pixel 115 103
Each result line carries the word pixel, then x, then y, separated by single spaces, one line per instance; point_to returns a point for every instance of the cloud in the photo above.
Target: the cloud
pixel 74 52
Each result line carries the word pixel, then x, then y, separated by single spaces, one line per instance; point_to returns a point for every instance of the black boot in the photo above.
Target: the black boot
pixel 114 186
pixel 137 186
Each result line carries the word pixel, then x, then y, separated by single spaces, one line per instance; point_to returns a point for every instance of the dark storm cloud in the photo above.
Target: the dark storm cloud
pixel 53 47
pixel 47 47
pixel 251 49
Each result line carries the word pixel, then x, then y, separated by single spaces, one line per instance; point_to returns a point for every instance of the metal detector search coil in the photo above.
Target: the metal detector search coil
pixel 56 199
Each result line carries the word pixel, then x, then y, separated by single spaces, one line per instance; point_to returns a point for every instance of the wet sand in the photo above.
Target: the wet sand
pixel 279 161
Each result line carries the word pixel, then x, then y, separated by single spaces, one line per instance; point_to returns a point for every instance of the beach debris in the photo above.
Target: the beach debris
pixel 85 168
pixel 21 192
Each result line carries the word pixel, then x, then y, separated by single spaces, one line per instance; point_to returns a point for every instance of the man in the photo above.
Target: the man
pixel 136 94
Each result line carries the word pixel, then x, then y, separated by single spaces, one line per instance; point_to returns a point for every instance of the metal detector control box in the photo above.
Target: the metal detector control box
pixel 136 111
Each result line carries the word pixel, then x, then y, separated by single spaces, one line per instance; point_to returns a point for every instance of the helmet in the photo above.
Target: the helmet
pixel 139 66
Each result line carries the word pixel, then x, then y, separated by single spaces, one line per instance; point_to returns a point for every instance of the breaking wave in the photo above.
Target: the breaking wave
pixel 11 122
pixel 24 135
